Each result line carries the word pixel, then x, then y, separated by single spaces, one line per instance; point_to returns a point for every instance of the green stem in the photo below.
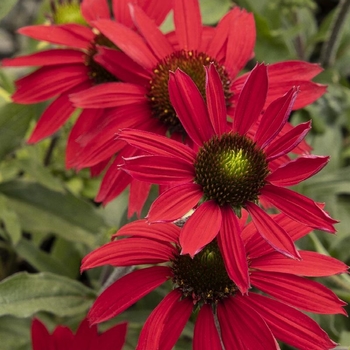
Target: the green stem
pixel 50 149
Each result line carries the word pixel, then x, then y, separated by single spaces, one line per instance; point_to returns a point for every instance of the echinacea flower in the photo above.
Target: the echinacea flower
pixel 142 97
pixel 86 337
pixel 202 286
pixel 229 168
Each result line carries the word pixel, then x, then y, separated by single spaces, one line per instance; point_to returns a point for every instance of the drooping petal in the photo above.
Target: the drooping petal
pixel 157 144
pixel 174 203
pixel 154 328
pixel 126 291
pixel 288 324
pixel 129 42
pixel 93 10
pixel 188 23
pixel 138 195
pixel 151 33
pixel 298 207
pixel 312 264
pixel 243 328
pixel 215 100
pixel 274 234
pixel 251 99
pixel 128 252
pixel 70 34
pixel 297 170
pixel 287 142
pixel 205 335
pixel 109 95
pixel 45 58
pixel 299 292
pixel 159 170
pixel 190 107
pixel 233 250
pixel 274 118
pixel 201 228
pixel 166 232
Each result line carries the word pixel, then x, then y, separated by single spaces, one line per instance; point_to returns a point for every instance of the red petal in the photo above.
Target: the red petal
pixel 243 328
pixel 94 9
pixel 41 338
pixel 70 34
pixel 273 233
pixel 84 336
pixel 188 23
pixel 159 169
pixel 233 250
pixel 174 203
pixel 113 338
pixel 151 33
pixel 155 9
pixel 215 100
pixel 128 252
pixel 247 111
pixel 287 142
pixel 129 42
pixel 190 107
pixel 298 207
pixel 138 195
pixel 274 118
pixel 126 291
pixel 205 336
pixel 299 292
pixel 157 144
pixel 201 228
pixel 46 82
pixel 153 331
pixel 167 232
pixel 297 170
pixel 289 325
pixel 283 71
pixel 312 264
pixel 46 58
pixel 109 95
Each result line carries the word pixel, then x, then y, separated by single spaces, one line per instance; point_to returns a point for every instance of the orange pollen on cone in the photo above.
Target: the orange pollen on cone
pixel 191 62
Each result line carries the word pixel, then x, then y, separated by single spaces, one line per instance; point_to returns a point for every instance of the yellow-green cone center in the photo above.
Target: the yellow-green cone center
pixel 191 62
pixel 67 12
pixel 231 170
pixel 203 278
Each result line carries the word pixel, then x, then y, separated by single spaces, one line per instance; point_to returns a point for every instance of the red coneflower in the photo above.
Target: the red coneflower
pixel 86 337
pixel 228 169
pixel 142 98
pixel 202 285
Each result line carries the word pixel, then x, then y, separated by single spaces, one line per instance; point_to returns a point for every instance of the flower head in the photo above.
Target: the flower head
pixel 202 286
pixel 85 338
pixel 230 168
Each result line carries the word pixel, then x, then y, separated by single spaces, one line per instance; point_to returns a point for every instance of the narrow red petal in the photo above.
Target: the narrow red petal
pixel 215 100
pixel 41 338
pixel 174 203
pixel 201 228
pixel 243 328
pixel 233 250
pixel 188 23
pixel 273 233
pixel 299 292
pixel 71 35
pixel 113 338
pixel 312 264
pixel 109 95
pixel 126 291
pixel 155 9
pixel 157 144
pixel 93 10
pixel 288 324
pixel 205 336
pixel 151 33
pixel 190 107
pixel 298 207
pixel 274 118
pixel 247 111
pixel 138 195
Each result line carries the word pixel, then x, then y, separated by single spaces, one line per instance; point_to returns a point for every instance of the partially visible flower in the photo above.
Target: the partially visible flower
pixel 228 169
pixel 143 98
pixel 86 337
pixel 202 286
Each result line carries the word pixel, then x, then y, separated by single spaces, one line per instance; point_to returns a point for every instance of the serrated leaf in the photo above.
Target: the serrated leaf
pixel 24 294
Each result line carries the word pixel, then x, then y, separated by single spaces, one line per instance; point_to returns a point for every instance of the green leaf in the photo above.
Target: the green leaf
pixel 10 221
pixel 23 294
pixel 6 6
pixel 14 333
pixel 41 209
